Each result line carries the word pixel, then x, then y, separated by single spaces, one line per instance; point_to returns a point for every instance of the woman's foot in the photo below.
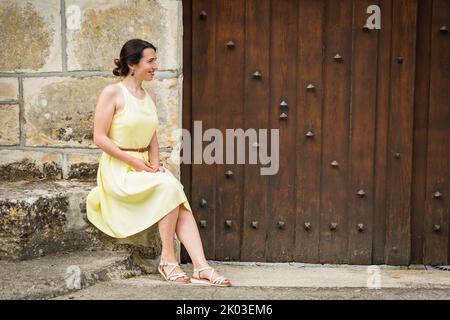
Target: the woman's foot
pixel 207 275
pixel 171 271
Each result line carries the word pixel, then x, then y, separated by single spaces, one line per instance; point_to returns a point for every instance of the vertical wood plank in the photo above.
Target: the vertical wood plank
pixel 283 76
pixel 421 105
pixel 362 137
pixel 436 247
pixel 257 37
pixel 398 233
pixel 229 108
pixel 204 109
pixel 310 58
pixel 185 168
pixel 382 122
pixel 333 243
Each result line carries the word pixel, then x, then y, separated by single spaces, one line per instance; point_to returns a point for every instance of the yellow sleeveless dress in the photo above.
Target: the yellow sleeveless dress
pixel 125 201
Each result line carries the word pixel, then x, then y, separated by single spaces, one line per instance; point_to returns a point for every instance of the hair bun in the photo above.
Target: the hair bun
pixel 117 70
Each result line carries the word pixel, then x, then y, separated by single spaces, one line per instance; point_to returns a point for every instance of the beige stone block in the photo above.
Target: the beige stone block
pixel 97 30
pixel 166 158
pixel 59 111
pixel 32 31
pixel 168 109
pixel 9 124
pixel 82 166
pixel 29 165
pixel 9 89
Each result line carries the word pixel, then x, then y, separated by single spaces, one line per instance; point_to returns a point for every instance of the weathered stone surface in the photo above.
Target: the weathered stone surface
pixel 9 89
pixel 63 272
pixel 82 166
pixel 59 111
pixel 166 158
pixel 31 226
pixel 168 109
pixel 96 31
pixel 32 32
pixel 29 165
pixel 85 166
pixel 9 124
pixel 39 218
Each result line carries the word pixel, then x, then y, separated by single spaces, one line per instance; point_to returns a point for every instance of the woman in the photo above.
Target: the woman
pixel 133 191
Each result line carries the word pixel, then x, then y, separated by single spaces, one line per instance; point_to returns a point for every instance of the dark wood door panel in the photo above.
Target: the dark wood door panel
pixel 363 119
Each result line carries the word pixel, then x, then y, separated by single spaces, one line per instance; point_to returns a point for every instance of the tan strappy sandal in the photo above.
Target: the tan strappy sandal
pixel 172 277
pixel 217 281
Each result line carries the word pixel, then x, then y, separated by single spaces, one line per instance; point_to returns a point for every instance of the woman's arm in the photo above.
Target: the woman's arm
pixel 153 153
pixel 104 112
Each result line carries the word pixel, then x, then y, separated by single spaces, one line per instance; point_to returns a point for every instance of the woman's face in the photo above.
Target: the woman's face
pixel 146 68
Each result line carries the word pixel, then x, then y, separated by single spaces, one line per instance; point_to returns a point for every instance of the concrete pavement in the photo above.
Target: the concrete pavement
pixel 285 281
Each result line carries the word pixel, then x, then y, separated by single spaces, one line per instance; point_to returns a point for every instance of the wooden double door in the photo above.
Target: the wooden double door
pixel 363 119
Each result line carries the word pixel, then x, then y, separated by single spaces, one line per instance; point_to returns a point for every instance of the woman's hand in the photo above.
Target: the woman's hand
pixel 141 165
pixel 157 167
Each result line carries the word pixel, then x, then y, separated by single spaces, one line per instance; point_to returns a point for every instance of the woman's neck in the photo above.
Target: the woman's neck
pixel 133 84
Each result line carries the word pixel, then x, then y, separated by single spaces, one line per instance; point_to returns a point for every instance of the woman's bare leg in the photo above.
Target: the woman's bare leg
pixel 167 231
pixel 189 235
pixel 187 232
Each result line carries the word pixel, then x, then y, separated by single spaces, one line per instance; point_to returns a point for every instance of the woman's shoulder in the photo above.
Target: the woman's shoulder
pixel 112 89
pixel 111 94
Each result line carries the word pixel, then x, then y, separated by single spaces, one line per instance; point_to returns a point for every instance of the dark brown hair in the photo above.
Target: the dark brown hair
pixel 131 53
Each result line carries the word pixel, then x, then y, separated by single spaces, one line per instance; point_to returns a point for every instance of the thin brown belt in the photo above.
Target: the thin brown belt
pixel 137 150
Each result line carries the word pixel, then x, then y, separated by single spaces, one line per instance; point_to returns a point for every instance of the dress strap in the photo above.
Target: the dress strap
pixel 130 95
pixel 126 98
pixel 124 90
pixel 153 102
pixel 146 92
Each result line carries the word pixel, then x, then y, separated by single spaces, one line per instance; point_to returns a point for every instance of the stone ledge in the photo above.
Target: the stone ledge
pixel 62 273
pixel 43 217
pixel 57 164
pixel 269 281
pixel 29 165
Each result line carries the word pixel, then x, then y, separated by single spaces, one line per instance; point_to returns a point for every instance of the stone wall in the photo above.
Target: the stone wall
pixel 56 57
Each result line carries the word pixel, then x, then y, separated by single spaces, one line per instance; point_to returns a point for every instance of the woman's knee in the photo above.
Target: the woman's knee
pixel 172 216
pixel 187 210
pixel 175 212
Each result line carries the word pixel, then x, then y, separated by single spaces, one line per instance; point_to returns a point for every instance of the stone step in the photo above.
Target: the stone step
pixel 25 164
pixel 42 217
pixel 274 281
pixel 59 164
pixel 63 272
